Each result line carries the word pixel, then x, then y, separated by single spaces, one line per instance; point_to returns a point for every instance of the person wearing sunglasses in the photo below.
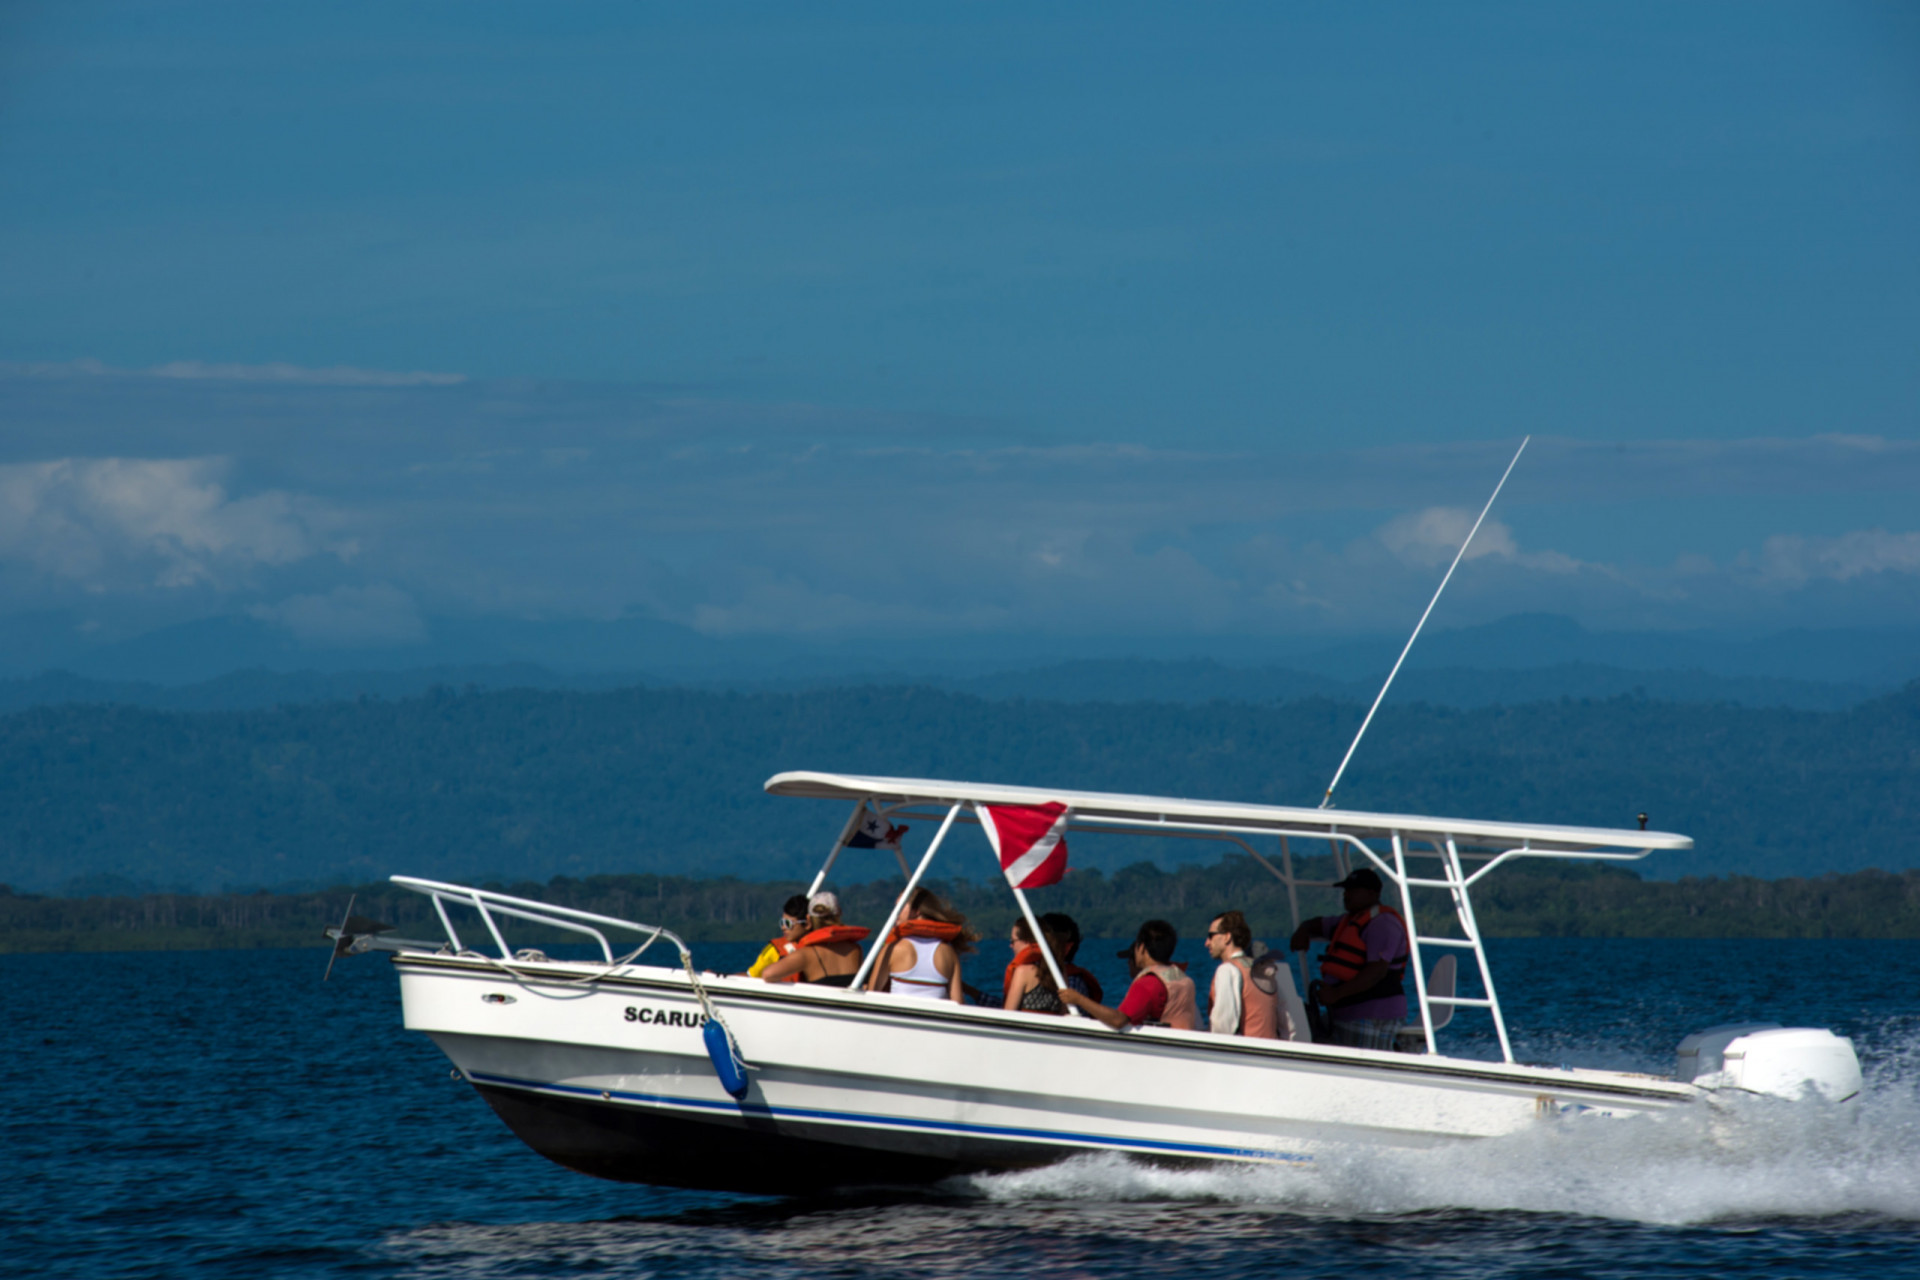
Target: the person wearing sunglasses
pixel 1238 1006
pixel 827 952
pixel 793 927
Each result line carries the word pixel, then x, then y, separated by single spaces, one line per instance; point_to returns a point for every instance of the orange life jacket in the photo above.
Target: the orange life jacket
pixel 934 930
pixel 833 933
pixel 1347 954
pixel 1029 954
pixel 1257 1008
pixel 938 930
pixel 782 947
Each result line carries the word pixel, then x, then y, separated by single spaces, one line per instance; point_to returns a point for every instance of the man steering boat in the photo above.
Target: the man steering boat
pixel 1362 973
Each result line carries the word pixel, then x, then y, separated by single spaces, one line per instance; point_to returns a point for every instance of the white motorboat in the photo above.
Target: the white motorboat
pixel 633 1069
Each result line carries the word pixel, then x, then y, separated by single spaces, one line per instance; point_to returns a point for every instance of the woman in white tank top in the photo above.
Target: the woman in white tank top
pixel 923 978
pixel 923 961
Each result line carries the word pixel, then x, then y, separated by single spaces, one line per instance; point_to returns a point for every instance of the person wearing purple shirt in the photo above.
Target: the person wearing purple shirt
pixel 1365 961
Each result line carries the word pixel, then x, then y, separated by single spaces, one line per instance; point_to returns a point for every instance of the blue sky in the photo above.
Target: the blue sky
pixel 1103 320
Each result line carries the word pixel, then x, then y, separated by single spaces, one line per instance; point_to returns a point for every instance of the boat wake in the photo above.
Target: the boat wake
pixel 1658 1194
pixel 1751 1158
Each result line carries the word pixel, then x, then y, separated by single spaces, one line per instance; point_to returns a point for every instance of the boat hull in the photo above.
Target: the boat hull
pixel 616 1140
pixel 609 1075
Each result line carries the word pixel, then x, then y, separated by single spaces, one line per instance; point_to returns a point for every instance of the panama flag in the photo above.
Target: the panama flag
pixel 1030 840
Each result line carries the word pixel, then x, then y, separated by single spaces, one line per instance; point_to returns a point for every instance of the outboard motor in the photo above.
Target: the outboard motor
pixel 1764 1057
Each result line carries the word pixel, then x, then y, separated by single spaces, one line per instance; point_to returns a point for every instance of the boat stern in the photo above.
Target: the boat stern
pixel 1763 1057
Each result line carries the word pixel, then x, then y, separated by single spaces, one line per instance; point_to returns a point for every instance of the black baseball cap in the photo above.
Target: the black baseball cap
pixel 1359 878
pixel 1154 935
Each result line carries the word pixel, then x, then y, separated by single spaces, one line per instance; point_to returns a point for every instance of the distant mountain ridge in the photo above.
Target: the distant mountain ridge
pixel 207 649
pixel 1135 680
pixel 258 687
pixel 1882 658
pixel 1091 680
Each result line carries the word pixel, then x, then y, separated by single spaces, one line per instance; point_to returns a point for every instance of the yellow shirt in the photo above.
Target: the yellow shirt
pixel 766 958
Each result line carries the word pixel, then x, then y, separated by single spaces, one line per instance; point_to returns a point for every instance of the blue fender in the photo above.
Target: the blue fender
pixel 726 1057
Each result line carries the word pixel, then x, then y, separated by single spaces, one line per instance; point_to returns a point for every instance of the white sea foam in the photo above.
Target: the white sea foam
pixel 1752 1158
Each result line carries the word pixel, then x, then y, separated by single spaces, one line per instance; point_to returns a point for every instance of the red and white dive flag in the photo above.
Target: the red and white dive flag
pixel 1030 840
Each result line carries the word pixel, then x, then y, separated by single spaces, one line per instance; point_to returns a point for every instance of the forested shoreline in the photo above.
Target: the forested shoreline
pixel 1577 900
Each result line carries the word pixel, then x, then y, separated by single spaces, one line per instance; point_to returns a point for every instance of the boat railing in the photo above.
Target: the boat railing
pixel 1457 883
pixel 490 904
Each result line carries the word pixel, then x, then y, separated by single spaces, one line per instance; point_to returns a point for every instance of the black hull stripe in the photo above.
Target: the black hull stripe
pixel 1007 1132
pixel 660 1147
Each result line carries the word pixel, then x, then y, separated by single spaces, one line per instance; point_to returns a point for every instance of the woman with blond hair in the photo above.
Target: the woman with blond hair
pixel 921 957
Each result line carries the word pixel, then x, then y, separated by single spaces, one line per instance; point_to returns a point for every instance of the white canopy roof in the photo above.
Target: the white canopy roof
pixel 1090 807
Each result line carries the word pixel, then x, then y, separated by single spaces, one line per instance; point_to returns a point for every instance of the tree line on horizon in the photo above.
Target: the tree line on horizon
pixel 1563 900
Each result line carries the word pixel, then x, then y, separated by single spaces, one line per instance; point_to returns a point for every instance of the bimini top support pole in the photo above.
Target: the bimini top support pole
pixel 906 896
pixel 846 834
pixel 1327 800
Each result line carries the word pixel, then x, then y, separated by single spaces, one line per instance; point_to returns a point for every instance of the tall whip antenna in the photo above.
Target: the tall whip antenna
pixel 1327 801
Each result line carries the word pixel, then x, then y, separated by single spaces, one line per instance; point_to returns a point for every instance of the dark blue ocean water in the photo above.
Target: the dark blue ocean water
pixel 224 1114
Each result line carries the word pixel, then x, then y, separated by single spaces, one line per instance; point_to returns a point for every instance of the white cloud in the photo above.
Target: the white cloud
pixel 1795 560
pixel 740 518
pixel 335 376
pixel 204 371
pixel 1430 538
pixel 349 617
pixel 166 522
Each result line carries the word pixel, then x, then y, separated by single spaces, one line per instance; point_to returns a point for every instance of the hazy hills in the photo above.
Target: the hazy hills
pixel 1199 680
pixel 259 687
pixel 528 783
pixel 536 749
pixel 1192 680
pixel 1779 669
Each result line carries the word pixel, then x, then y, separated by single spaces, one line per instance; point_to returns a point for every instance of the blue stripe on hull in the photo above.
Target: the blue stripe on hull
pixel 1008 1132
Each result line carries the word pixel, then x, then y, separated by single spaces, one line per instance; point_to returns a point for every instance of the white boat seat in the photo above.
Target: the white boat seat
pixel 1295 1007
pixel 1272 973
pixel 1440 983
